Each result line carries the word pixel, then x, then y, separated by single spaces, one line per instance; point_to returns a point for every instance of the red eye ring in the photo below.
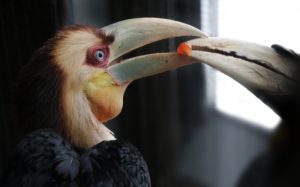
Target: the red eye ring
pixel 98 56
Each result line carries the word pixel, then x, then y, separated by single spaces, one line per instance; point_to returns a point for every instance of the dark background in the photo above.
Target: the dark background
pixel 184 140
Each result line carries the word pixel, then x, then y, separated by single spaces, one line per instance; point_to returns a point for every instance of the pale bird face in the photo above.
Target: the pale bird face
pixel 88 59
pixel 83 55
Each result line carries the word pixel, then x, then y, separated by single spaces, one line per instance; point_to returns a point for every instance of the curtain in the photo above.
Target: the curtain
pixel 25 26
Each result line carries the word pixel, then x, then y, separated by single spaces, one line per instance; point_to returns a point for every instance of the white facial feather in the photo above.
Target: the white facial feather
pixel 83 128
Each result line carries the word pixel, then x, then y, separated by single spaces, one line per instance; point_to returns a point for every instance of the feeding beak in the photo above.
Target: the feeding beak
pixel 105 88
pixel 268 72
pixel 134 33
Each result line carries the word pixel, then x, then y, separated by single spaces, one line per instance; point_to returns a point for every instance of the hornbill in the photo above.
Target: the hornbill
pixel 70 87
pixel 272 74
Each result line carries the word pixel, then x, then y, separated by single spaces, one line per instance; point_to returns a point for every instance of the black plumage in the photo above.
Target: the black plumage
pixel 44 158
pixel 289 53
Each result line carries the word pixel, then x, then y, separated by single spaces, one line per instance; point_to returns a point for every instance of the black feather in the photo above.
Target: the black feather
pixel 285 52
pixel 44 158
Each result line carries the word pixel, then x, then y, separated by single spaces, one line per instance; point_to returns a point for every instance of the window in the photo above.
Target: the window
pixel 265 22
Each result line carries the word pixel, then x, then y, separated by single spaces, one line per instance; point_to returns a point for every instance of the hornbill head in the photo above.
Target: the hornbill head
pixel 76 81
pixel 270 73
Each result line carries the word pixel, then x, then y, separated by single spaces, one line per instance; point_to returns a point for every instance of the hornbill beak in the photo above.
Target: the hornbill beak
pixel 106 86
pixel 270 73
pixel 134 33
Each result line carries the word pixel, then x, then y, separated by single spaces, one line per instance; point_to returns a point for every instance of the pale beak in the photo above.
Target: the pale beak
pixel 134 33
pixel 268 72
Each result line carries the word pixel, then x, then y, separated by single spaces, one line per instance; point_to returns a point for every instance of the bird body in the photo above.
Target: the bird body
pixel 45 158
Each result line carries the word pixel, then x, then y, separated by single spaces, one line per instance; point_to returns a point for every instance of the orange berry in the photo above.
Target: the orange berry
pixel 184 49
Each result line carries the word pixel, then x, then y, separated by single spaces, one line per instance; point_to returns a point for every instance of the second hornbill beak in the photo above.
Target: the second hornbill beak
pixel 268 72
pixel 134 33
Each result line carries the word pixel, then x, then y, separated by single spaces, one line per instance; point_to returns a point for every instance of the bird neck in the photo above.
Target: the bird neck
pixel 82 127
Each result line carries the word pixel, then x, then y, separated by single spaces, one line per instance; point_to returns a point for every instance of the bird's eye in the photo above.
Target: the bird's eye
pixel 98 56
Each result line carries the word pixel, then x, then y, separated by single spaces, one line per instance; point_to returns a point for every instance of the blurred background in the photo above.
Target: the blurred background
pixel 195 127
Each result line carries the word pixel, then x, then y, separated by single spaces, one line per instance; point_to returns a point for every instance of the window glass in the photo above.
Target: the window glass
pixel 261 21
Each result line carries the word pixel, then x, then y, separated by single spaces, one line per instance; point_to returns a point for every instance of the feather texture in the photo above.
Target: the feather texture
pixel 44 158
